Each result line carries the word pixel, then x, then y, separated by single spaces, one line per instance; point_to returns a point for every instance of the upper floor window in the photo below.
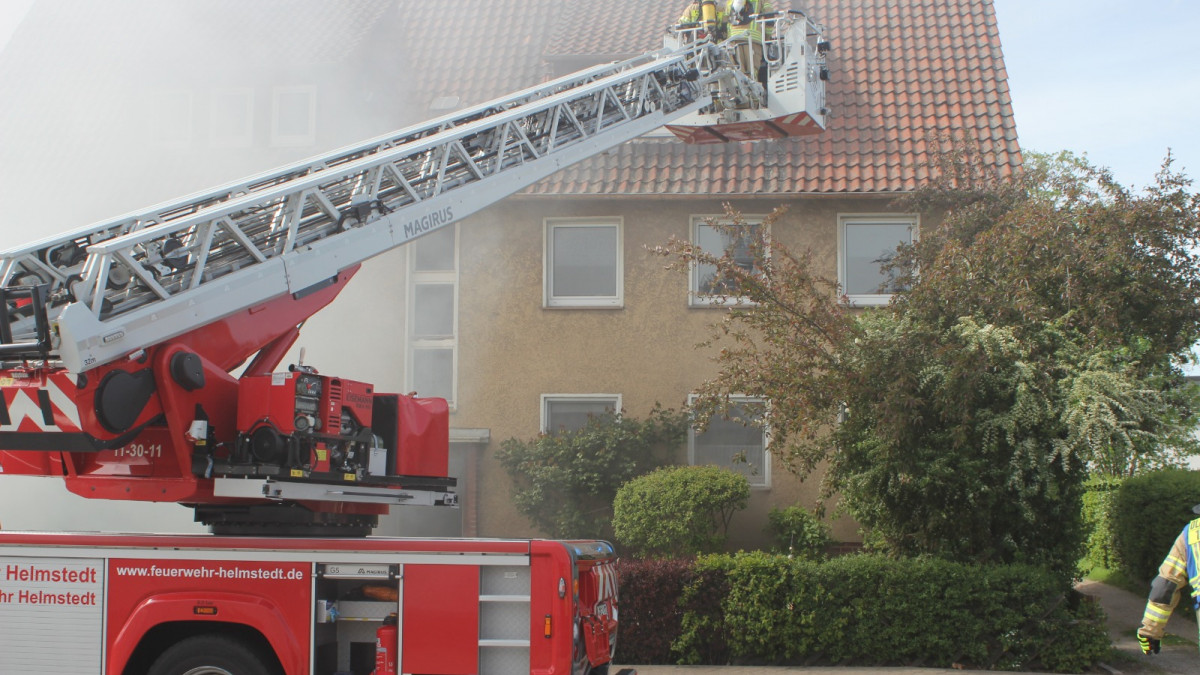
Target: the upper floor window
pixel 294 116
pixel 172 124
pixel 231 117
pixel 865 245
pixel 733 441
pixel 583 263
pixel 570 412
pixel 706 286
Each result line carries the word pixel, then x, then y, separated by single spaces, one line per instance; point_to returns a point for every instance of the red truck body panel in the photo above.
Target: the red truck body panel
pixel 94 603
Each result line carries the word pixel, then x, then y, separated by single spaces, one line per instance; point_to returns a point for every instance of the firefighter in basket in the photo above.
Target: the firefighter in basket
pixel 706 13
pixel 749 35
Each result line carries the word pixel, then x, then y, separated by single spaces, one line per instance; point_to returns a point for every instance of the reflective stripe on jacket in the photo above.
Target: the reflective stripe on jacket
pixel 1178 568
pixel 1192 533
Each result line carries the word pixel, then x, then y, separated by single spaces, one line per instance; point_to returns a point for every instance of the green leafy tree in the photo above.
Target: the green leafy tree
pixel 565 482
pixel 1036 336
pixel 678 510
pixel 961 451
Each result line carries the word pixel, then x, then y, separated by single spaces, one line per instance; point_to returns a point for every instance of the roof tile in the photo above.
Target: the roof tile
pixel 903 70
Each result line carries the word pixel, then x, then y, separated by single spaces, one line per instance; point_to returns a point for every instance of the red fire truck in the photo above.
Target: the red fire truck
pixel 211 605
pixel 118 344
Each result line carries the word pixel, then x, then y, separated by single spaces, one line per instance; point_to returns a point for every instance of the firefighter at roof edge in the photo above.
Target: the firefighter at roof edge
pixel 1179 568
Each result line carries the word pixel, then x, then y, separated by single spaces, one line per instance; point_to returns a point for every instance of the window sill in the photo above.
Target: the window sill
pixel 706 303
pixel 868 300
pixel 584 306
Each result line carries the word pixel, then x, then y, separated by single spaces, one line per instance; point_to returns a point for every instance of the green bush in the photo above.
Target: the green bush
pixel 871 610
pixel 564 483
pixel 679 510
pixel 702 634
pixel 1098 497
pixel 797 531
pixel 1148 512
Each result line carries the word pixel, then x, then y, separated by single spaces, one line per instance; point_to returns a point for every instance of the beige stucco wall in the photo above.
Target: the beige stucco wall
pixel 511 349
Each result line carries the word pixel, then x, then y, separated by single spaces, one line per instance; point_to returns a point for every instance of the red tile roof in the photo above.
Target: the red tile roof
pixel 903 73
pixel 613 28
pixel 476 50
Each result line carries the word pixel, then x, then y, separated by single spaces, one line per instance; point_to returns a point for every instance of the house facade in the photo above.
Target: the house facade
pixel 548 306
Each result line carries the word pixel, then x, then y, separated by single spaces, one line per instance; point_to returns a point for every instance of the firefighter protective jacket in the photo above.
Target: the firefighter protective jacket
pixel 740 22
pixel 1177 569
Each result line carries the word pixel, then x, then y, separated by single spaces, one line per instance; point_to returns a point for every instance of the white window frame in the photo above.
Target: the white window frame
pixel 549 301
pixel 695 297
pixel 850 219
pixel 759 482
pixel 186 122
pixel 416 278
pixel 309 137
pixel 568 398
pixel 416 347
pixel 245 135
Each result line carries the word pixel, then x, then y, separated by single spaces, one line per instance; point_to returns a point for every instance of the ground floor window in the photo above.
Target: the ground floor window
pixel 570 412
pixel 732 443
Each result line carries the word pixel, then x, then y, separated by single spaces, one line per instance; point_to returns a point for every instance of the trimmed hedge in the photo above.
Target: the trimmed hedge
pixel 1148 512
pixel 865 610
pixel 649 608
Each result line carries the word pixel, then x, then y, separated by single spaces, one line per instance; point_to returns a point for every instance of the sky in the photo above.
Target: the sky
pixel 1113 79
pixel 11 12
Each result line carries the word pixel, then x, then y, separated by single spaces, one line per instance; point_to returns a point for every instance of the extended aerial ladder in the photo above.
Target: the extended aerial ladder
pixel 117 341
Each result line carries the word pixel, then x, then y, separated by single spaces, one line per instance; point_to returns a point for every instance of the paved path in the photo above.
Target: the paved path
pixel 1124 611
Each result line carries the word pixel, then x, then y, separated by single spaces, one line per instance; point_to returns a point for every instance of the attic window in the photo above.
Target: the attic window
pixel 444 104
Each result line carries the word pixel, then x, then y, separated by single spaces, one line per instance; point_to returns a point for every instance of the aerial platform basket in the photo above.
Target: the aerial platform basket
pixel 793 52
